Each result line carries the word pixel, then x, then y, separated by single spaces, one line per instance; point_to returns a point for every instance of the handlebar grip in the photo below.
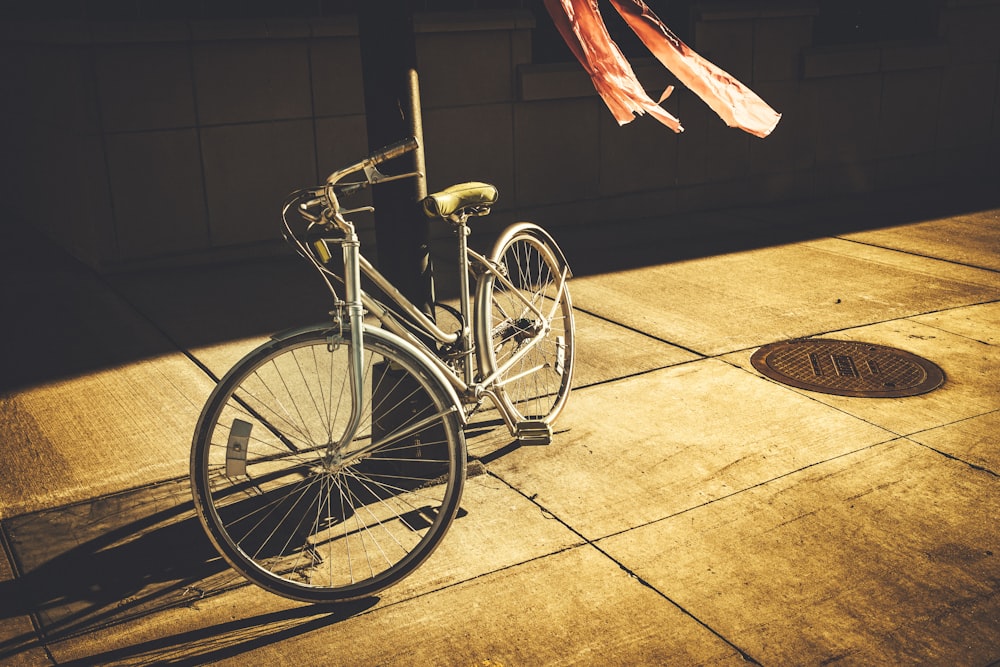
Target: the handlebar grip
pixel 393 150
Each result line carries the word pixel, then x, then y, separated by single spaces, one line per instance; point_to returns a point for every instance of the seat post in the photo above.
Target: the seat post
pixel 464 292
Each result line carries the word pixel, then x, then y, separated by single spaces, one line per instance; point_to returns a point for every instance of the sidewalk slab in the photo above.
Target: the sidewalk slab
pixel 979 323
pixel 724 512
pixel 572 607
pixel 972 440
pixel 605 350
pixel 111 429
pixel 93 398
pixel 885 556
pixel 141 557
pixel 970 239
pixel 18 645
pixel 730 302
pixel 653 446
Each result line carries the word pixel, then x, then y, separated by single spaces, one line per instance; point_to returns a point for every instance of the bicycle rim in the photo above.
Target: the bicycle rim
pixel 537 385
pixel 295 513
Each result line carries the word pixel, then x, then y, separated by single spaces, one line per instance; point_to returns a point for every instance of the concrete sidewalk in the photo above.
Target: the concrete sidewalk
pixel 689 512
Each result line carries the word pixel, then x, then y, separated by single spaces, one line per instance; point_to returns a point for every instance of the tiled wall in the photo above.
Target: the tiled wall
pixel 139 143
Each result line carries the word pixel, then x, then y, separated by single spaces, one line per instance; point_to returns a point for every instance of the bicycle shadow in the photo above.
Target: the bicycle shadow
pixel 125 557
pixel 122 558
pixel 229 639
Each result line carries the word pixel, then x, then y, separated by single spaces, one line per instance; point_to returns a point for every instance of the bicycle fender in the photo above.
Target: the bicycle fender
pixel 436 372
pixel 285 334
pixel 534 229
pixel 373 332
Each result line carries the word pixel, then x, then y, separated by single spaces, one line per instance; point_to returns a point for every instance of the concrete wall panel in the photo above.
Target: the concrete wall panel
pixel 181 138
pixel 556 151
pixel 639 156
pixel 252 80
pixel 967 104
pixel 336 76
pixel 471 143
pixel 249 170
pixel 145 86
pixel 907 122
pixel 777 46
pixel 465 68
pixel 847 125
pixel 157 192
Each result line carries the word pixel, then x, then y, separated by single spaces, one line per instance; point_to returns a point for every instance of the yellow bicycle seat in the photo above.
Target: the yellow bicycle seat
pixel 457 197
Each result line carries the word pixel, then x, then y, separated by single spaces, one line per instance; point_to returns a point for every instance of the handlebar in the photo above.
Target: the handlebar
pixel 369 163
pixel 320 207
pixel 393 150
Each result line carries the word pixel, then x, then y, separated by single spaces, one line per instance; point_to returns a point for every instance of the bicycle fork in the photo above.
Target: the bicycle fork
pixel 355 317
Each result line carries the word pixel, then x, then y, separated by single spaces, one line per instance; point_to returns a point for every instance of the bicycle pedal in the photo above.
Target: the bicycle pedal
pixel 533 433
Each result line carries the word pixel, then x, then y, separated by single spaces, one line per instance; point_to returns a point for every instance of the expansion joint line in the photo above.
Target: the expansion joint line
pixel 548 513
pixel 640 332
pixel 916 254
pixel 170 339
pixel 952 457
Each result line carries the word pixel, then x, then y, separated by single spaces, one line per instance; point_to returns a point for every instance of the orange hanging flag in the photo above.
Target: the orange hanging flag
pixel 736 104
pixel 580 24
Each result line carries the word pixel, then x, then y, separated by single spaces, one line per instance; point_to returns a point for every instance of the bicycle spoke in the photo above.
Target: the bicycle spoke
pixel 531 329
pixel 333 519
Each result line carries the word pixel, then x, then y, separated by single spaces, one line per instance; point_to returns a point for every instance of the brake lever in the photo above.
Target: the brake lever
pixel 375 176
pixel 306 205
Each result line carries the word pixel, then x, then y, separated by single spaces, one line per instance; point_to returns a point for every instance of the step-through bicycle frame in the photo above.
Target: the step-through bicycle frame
pixel 330 227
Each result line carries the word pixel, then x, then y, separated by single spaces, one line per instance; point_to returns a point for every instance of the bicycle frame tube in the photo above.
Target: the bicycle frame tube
pixel 424 323
pixel 466 383
pixel 516 357
pixel 411 311
pixel 356 313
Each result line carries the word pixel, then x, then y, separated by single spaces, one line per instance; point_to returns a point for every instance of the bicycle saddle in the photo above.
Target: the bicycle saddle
pixel 457 197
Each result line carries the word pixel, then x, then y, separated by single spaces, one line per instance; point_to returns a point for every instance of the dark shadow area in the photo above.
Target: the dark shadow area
pixel 125 557
pixel 477 428
pixel 510 448
pixel 630 244
pixel 110 560
pixel 64 320
pixel 857 21
pixel 233 638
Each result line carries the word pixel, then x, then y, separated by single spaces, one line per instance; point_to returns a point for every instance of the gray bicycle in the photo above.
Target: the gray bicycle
pixel 329 462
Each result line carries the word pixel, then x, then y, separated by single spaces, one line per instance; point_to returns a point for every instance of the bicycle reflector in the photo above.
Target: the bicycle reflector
pixel 236 450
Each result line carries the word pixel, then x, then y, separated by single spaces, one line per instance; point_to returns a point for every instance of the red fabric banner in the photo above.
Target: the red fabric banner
pixel 580 24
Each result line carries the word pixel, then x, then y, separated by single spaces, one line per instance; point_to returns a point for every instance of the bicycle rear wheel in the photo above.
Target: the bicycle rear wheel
pixel 536 386
pixel 302 517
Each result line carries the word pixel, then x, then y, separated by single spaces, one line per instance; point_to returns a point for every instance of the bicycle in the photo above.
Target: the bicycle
pixel 329 462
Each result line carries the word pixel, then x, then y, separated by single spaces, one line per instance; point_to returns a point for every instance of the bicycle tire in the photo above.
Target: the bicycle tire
pixel 537 386
pixel 297 518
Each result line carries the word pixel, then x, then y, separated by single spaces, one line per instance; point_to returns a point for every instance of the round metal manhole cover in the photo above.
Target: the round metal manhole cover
pixel 847 368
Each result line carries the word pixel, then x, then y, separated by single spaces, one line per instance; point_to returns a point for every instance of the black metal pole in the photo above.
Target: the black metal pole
pixel 392 112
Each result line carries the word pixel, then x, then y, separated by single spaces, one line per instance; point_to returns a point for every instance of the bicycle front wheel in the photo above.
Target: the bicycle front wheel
pixel 304 509
pixel 525 324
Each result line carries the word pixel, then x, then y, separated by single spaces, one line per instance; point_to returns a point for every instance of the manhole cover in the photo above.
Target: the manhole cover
pixel 847 368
